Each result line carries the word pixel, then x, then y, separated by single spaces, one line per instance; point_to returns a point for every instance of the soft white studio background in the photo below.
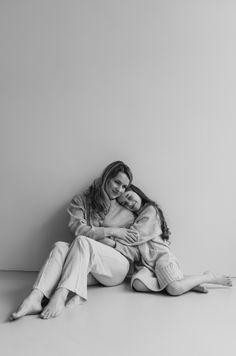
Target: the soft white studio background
pixel 84 83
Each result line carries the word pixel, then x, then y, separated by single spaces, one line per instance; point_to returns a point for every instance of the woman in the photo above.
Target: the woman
pixel 94 215
pixel 157 267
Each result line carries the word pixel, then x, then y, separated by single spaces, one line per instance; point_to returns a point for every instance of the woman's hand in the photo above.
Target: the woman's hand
pixel 127 235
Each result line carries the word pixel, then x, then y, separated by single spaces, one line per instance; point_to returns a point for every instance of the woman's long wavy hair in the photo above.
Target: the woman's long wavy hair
pixel 147 201
pixel 96 195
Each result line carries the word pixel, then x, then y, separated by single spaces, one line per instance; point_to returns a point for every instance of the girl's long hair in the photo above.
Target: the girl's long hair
pixel 147 201
pixel 96 196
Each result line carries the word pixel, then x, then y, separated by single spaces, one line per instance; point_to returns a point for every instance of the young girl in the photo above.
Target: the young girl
pixel 157 267
pixel 94 215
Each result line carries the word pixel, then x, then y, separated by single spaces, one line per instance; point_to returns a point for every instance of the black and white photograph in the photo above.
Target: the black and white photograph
pixel 118 177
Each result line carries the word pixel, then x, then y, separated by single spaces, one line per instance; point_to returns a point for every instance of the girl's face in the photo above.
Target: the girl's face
pixel 117 185
pixel 131 201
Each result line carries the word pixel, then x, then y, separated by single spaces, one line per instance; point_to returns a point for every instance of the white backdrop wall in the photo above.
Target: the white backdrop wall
pixel 84 83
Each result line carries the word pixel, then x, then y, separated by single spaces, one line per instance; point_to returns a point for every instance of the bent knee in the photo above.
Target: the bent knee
pixel 111 281
pixel 61 245
pixel 139 286
pixel 175 288
pixel 81 238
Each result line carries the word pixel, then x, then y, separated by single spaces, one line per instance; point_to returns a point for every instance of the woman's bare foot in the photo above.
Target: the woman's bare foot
pixel 56 304
pixel 75 300
pixel 218 279
pixel 200 289
pixel 30 305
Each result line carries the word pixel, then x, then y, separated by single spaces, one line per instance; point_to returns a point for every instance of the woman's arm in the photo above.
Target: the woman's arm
pixel 78 224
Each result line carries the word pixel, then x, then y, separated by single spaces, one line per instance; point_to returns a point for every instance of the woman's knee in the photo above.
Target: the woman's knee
pixel 175 288
pixel 61 245
pixel 81 239
pixel 115 272
pixel 59 250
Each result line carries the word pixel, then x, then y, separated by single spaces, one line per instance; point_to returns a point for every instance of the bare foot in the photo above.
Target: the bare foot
pixel 200 289
pixel 75 300
pixel 218 279
pixel 30 305
pixel 56 304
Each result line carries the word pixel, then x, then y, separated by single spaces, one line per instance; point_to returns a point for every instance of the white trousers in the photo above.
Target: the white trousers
pixel 82 263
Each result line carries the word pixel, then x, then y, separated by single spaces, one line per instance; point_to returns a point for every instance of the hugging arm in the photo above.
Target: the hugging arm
pixel 144 228
pixel 78 224
pixel 146 223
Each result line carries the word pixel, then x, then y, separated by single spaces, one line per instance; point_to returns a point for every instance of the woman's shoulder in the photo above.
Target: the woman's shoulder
pixel 79 200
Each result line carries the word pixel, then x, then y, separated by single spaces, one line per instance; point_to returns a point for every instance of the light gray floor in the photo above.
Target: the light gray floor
pixel 118 322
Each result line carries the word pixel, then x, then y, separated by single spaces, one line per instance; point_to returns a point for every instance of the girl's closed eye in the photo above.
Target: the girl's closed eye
pixel 131 201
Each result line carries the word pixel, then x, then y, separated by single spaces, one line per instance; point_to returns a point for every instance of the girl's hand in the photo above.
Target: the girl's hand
pixel 127 235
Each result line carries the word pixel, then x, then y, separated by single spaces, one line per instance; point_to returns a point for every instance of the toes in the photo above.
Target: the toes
pixel 44 314
pixel 17 314
pixel 48 314
pixel 228 281
pixel 12 317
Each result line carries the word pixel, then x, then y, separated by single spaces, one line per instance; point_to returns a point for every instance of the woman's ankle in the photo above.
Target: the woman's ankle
pixel 37 294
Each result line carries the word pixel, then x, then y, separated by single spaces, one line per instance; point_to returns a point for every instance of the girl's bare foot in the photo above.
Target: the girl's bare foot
pixel 30 305
pixel 200 289
pixel 56 304
pixel 218 279
pixel 75 300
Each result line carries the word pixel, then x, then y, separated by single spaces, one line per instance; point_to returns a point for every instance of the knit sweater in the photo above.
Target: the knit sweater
pixel 82 222
pixel 148 225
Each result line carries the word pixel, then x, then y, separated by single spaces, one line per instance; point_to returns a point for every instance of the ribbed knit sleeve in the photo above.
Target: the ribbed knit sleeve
pixel 148 225
pixel 78 223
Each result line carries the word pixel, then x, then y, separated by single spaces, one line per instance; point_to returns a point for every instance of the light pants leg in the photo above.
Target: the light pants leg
pixel 84 262
pixel 50 273
pixel 108 266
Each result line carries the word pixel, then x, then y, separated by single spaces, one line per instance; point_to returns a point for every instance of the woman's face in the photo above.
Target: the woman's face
pixel 130 200
pixel 117 185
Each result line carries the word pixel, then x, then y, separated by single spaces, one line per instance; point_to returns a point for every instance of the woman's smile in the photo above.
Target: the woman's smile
pixel 117 185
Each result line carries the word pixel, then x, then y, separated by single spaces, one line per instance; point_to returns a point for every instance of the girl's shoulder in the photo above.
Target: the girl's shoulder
pixel 149 209
pixel 148 212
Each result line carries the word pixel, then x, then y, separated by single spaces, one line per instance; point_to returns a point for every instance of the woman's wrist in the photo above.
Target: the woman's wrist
pixel 111 232
pixel 108 232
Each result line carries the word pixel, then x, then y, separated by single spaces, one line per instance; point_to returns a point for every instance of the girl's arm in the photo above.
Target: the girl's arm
pixel 147 224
